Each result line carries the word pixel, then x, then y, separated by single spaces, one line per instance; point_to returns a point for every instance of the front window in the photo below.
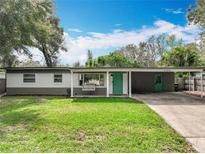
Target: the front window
pixel 58 78
pixel 29 78
pixel 96 79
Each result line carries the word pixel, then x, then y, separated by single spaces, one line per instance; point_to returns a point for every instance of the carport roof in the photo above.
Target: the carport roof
pixel 141 69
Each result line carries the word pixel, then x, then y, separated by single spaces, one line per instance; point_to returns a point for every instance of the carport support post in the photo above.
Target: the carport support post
pixel 107 92
pixel 71 84
pixel 189 83
pixel 201 85
pixel 193 87
pixel 130 84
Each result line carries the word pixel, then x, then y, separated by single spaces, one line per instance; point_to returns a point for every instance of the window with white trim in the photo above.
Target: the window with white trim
pixel 58 78
pixel 96 79
pixel 29 78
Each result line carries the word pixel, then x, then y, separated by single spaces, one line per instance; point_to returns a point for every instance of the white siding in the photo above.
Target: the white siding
pixel 76 80
pixel 125 83
pixel 43 80
pixel 46 80
pixel 110 84
pixel 2 75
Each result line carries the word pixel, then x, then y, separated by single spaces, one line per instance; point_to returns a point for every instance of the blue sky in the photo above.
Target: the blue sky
pixel 105 25
pixel 103 15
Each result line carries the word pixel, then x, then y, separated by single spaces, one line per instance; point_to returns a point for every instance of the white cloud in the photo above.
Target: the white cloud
pixel 173 11
pixel 75 52
pixel 119 38
pixel 100 42
pixel 74 30
pixel 36 55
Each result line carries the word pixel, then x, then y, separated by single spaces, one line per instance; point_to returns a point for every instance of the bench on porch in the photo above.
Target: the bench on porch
pixel 88 87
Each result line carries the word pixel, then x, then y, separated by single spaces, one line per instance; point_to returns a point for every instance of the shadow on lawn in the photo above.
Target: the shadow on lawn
pixel 34 97
pixel 15 117
pixel 14 113
pixel 9 104
pixel 104 100
pixel 17 122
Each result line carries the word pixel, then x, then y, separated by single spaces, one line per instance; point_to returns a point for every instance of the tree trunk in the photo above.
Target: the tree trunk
pixel 47 57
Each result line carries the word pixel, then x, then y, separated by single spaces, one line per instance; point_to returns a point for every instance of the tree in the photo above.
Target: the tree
pixel 156 46
pixel 8 59
pixel 173 42
pixel 134 54
pixel 196 16
pixel 181 56
pixel 90 55
pixel 50 41
pixel 76 64
pixel 25 23
pixel 30 63
pixel 89 62
pixel 14 30
pixel 148 53
pixel 114 59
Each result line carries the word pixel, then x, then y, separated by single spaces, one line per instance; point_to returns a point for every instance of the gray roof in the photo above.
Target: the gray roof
pixel 37 69
pixel 68 69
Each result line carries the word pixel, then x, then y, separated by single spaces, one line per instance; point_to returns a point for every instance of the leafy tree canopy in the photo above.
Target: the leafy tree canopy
pixel 25 23
pixel 196 15
pixel 182 56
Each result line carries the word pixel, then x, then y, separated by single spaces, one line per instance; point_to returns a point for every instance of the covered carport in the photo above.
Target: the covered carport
pixel 151 80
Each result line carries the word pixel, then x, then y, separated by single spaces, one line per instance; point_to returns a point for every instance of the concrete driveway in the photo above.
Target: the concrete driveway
pixel 185 113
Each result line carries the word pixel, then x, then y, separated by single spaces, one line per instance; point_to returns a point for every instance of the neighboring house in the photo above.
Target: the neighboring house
pixel 91 81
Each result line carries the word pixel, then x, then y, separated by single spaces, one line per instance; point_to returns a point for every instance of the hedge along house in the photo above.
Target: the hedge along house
pixel 84 82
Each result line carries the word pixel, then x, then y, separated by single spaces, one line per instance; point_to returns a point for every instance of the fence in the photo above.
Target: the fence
pixel 194 84
pixel 2 86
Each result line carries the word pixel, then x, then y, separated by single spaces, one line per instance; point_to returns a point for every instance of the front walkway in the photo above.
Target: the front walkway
pixel 186 114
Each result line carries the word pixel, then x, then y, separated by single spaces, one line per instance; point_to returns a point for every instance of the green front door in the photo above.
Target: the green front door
pixel 158 83
pixel 117 83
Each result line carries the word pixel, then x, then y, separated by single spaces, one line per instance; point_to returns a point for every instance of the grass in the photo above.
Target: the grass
pixel 57 124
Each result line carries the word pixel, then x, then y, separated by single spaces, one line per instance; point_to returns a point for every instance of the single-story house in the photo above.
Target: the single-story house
pixel 79 82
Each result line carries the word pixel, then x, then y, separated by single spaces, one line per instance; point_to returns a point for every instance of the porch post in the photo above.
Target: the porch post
pixel 107 92
pixel 130 84
pixel 193 84
pixel 71 84
pixel 202 85
pixel 189 83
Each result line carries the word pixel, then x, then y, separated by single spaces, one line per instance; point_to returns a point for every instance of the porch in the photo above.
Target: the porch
pixel 87 83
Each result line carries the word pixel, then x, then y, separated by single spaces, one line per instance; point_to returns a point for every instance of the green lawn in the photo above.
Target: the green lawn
pixel 57 124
